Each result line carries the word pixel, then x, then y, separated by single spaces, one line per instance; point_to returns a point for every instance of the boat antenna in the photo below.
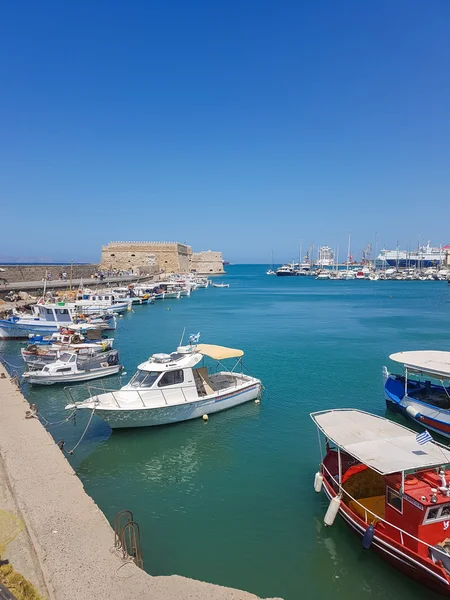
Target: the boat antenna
pixel 182 336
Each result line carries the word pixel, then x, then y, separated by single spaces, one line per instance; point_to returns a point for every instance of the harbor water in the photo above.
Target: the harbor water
pixel 231 501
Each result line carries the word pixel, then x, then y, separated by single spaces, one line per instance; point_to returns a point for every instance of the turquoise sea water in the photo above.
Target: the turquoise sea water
pixel 232 501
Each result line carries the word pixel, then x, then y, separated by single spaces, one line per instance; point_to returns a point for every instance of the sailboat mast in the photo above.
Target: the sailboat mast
pixel 348 250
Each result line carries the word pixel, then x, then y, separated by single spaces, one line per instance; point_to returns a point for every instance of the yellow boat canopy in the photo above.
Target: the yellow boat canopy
pixel 218 352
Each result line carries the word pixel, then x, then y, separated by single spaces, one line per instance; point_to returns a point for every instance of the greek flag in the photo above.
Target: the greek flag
pixel 423 438
pixel 194 339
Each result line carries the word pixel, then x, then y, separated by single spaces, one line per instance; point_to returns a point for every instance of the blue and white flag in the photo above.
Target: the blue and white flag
pixel 423 438
pixel 194 338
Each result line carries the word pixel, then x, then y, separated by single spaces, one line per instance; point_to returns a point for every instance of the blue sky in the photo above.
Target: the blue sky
pixel 235 126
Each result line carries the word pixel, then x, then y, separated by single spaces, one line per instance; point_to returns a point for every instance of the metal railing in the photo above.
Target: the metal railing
pixel 92 391
pixel 127 537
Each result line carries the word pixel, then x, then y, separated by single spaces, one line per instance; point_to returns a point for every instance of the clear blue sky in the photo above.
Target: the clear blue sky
pixel 236 126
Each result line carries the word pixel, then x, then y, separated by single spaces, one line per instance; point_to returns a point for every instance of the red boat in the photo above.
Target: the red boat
pixel 392 487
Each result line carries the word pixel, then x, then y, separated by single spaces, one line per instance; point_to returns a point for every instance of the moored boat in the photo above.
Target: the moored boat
pixel 49 318
pixel 46 349
pixel 69 367
pixel 168 388
pixel 392 487
pixel 420 392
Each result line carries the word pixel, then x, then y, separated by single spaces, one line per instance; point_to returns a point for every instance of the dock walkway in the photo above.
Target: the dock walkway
pixel 67 533
pixel 65 283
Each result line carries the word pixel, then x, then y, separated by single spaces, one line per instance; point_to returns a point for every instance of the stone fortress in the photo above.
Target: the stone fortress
pixel 153 257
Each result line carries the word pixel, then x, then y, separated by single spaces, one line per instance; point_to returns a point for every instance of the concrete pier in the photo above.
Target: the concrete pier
pixel 62 284
pixel 67 541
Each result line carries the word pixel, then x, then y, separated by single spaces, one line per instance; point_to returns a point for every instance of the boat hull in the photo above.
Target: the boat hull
pixel 394 554
pixel 73 377
pixel 164 415
pixel 21 331
pixel 429 416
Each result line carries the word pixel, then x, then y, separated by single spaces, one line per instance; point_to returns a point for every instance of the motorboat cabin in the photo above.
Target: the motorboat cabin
pixel 422 391
pixel 392 487
pixel 168 388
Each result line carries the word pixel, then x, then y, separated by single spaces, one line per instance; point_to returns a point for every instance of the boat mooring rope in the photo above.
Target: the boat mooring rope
pixel 83 434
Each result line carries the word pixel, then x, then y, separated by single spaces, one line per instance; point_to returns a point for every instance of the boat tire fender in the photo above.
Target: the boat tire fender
pixel 332 511
pixel 113 359
pixel 318 482
pixel 412 412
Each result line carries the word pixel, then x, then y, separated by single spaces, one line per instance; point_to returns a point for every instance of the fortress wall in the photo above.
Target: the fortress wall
pixel 166 256
pixel 207 263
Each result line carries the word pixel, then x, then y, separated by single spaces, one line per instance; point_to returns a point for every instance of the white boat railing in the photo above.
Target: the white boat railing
pixel 377 517
pixel 152 395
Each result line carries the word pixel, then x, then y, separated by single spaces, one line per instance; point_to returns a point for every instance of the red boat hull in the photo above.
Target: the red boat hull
pixel 410 564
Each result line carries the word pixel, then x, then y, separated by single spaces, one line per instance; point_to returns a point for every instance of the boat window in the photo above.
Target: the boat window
pixel 144 378
pixel 437 513
pixel 394 499
pixel 64 357
pixel 63 370
pixel 171 378
pixel 73 359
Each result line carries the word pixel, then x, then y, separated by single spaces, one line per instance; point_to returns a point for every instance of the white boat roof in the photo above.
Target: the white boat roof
pixel 434 362
pixel 382 445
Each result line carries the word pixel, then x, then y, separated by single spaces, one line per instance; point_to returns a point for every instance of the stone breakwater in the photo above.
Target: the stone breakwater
pixel 70 536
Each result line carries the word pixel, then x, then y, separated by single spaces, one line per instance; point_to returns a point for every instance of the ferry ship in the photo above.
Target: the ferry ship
pixel 425 256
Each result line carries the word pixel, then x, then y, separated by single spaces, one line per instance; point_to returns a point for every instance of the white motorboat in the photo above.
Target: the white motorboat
pixel 285 271
pixel 69 367
pixel 270 272
pixel 221 285
pixel 49 318
pixel 168 388
pixel 349 274
pixel 90 302
pixel 132 294
pixel 323 275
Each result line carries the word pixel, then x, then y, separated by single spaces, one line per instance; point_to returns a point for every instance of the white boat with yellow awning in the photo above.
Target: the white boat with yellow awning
pixel 168 388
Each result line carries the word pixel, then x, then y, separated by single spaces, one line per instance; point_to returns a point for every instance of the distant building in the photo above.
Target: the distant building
pixel 154 257
pixel 326 257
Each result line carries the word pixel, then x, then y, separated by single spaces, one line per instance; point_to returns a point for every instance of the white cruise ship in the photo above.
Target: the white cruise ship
pixel 426 256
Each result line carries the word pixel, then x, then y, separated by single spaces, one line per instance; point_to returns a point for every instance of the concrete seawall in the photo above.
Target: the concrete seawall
pixel 71 538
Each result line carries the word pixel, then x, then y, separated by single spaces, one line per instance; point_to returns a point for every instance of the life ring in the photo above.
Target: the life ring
pixel 76 339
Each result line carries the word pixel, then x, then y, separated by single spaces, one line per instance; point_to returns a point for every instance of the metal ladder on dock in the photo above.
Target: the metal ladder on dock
pixel 127 537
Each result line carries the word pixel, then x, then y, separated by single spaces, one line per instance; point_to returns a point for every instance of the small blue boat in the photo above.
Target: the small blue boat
pixel 422 392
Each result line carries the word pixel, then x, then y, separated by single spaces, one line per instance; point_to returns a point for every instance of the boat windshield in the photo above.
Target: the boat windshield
pixel 144 378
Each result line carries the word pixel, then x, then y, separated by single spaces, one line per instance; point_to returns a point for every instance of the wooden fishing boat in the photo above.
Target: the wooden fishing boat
pixel 392 487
